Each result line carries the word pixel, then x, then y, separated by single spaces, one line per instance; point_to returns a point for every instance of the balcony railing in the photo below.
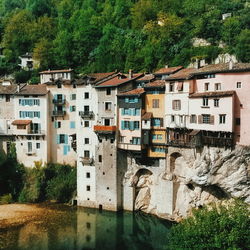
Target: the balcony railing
pixel 59 101
pixel 31 152
pixel 87 114
pixel 104 129
pixel 58 113
pixel 217 141
pixel 37 131
pixel 87 160
pixel 180 143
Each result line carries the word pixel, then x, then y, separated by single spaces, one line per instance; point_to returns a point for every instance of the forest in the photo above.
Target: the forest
pixel 108 35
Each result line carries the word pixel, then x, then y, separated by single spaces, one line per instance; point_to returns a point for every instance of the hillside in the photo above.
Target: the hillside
pixel 108 35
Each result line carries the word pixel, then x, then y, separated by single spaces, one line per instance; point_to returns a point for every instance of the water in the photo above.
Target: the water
pixel 80 228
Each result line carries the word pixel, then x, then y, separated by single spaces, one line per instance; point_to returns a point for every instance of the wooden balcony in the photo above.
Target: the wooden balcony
pixel 58 113
pixel 87 160
pixel 88 115
pixel 101 129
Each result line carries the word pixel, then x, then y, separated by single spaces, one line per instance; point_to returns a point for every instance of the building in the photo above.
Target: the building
pixel 31 125
pixel 28 62
pixel 53 75
pixel 163 73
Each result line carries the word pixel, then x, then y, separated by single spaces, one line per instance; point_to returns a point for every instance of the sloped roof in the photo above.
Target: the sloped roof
pixel 147 77
pixel 167 71
pixel 212 94
pixel 100 76
pixel 132 92
pixel 183 74
pixel 147 116
pixel 56 71
pixel 8 90
pixel 38 89
pixel 223 68
pixel 21 122
pixel 117 80
pixel 156 84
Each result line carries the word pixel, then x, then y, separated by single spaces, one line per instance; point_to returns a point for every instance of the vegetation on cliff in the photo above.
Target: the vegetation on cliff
pixel 106 35
pixel 214 227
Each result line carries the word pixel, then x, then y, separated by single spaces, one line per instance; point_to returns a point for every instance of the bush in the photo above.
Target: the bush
pixel 221 227
pixel 6 199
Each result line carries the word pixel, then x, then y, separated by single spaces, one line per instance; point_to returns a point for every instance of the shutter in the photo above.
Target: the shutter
pixel 68 148
pixel 56 124
pixel 173 105
pixel 127 100
pixel 123 111
pixel 66 139
pixel 55 97
pixel 71 97
pixel 133 112
pixel 70 108
pixel 131 125
pixel 123 125
pixel 200 119
pixel 212 119
pixel 57 139
pixel 65 149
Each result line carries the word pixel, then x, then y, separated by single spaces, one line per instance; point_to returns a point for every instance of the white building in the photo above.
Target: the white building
pixel 53 75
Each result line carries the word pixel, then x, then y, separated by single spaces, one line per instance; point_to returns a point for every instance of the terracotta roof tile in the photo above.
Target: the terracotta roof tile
pixel 156 84
pixel 100 76
pixel 21 122
pixel 117 81
pixel 8 90
pixel 147 77
pixel 56 71
pixel 39 89
pixel 223 68
pixel 182 74
pixel 147 116
pixel 212 94
pixel 138 92
pixel 168 71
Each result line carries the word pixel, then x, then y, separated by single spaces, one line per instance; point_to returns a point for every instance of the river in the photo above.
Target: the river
pixel 81 228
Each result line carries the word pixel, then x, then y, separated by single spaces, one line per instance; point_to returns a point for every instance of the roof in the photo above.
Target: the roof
pixel 21 122
pixel 147 77
pixel 133 92
pixel 194 132
pixel 183 74
pixel 223 68
pixel 63 82
pixel 39 89
pixel 147 116
pixel 168 71
pixel 56 71
pixel 117 80
pixel 8 90
pixel 212 94
pixel 100 76
pixel 156 84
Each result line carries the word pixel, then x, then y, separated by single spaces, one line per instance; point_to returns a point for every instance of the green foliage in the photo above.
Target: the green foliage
pixel 22 76
pixel 115 34
pixel 216 227
pixel 243 46
pixel 6 199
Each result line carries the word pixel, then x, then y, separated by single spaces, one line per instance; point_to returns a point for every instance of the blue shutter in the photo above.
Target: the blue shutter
pixel 57 139
pixel 123 111
pixel 131 126
pixel 136 100
pixel 122 125
pixel 68 148
pixel 66 139
pixel 72 125
pixel 56 124
pixel 126 99
pixel 70 108
pixel 65 149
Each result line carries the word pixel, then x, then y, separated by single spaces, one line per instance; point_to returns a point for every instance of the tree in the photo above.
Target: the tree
pixel 242 49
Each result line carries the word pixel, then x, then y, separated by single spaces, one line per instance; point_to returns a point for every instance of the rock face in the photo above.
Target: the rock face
pixel 214 175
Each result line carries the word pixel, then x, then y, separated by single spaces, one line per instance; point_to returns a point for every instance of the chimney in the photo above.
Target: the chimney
pixel 231 64
pixel 18 88
pixel 130 75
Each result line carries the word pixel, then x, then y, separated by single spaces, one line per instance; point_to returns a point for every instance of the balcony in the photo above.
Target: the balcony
pixel 101 129
pixel 37 132
pixel 74 145
pixel 59 101
pixel 87 160
pixel 31 152
pixel 87 115
pixel 180 143
pixel 130 146
pixel 58 113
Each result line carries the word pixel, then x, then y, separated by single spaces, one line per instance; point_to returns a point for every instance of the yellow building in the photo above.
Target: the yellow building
pixel 154 105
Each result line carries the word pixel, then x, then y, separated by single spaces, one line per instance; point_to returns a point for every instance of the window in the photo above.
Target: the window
pixel 86 95
pixel 171 87
pixel 73 97
pixel 108 91
pixel 205 102
pixel 158 150
pixel 106 122
pixel 172 118
pixel 136 140
pixel 108 106
pixel 155 103
pixel 222 119
pixel 59 85
pixel 131 100
pixel 86 124
pixel 72 125
pixel 155 92
pixel 216 102
pixel 86 108
pixel 7 98
pixel 180 86
pixel 86 154
pixel 72 108
pixel 62 139
pixel 237 121
pixel 176 104
pixel 100 158
pixel 206 86
pixel 87 174
pixel 206 119
pixel 29 102
pixel 126 124
pixel 121 139
pixel 193 119
pixel 181 118
pixel 238 85
pixel 136 125
pixel 157 122
pixel 86 140
pixel 29 114
pixel 88 188
pixel 38 145
pixel 29 147
pixel 217 86
pixel 157 137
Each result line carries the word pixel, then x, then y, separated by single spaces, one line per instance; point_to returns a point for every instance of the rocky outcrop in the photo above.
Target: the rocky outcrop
pixel 214 175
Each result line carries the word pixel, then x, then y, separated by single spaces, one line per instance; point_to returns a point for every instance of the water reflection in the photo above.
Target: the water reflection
pixel 88 229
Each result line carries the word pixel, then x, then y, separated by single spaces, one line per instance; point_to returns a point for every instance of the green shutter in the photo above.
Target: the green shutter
pixel 131 126
pixel 57 139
